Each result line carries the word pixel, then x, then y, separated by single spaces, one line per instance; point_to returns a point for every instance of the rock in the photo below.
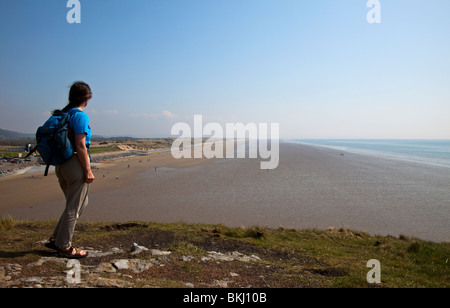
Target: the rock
pixel 228 257
pixel 163 259
pixel 49 259
pixel 104 267
pixel 217 256
pixel 221 283
pixel 136 249
pixel 13 269
pixel 157 252
pixel 123 264
pixel 187 258
pixel 98 254
pixel 30 279
pixel 121 271
pixel 109 283
pixel 135 265
pixel 255 258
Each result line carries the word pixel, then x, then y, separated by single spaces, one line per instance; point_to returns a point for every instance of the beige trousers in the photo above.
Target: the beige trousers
pixel 72 181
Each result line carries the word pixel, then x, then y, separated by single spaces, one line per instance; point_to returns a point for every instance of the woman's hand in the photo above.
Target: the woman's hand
pixel 89 177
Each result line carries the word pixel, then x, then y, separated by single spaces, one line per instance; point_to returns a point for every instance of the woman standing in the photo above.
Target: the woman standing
pixel 75 175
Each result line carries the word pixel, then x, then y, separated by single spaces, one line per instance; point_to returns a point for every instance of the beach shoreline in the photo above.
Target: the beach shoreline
pixel 312 188
pixel 380 148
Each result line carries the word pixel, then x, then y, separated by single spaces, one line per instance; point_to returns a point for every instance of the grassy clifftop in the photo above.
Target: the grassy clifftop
pixel 184 255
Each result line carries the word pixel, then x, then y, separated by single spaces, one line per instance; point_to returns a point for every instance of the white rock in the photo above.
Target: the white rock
pixel 105 267
pixel 136 249
pixel 42 260
pixel 255 258
pixel 98 254
pixel 135 265
pixel 30 279
pixel 221 283
pixel 157 252
pixel 234 256
pixel 187 258
pixel 122 264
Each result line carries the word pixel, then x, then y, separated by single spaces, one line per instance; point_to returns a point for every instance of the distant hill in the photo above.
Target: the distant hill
pixel 9 134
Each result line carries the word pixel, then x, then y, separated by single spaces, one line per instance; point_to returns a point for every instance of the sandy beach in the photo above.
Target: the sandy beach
pixel 23 191
pixel 311 188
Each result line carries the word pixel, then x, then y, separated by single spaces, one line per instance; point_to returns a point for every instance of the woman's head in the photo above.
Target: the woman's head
pixel 79 94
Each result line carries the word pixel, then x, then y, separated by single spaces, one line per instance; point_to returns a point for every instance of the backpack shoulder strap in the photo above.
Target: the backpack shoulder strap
pixel 46 170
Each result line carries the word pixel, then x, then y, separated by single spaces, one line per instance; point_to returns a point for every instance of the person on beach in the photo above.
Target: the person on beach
pixel 75 175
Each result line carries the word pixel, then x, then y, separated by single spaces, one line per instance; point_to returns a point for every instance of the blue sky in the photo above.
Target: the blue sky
pixel 316 67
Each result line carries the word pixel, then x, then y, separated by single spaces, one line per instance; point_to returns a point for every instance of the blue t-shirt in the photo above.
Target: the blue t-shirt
pixel 79 123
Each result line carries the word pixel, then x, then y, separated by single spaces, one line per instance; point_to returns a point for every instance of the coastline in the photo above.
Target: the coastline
pixel 339 145
pixel 312 188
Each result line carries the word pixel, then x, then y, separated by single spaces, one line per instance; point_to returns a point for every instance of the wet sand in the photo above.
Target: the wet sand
pixel 311 188
pixel 22 193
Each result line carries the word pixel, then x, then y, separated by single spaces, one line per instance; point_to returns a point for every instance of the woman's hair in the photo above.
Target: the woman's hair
pixel 78 94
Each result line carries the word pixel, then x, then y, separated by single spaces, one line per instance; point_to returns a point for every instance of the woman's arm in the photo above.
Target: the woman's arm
pixel 83 156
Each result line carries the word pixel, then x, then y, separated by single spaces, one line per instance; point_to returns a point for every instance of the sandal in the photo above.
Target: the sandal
pixel 51 244
pixel 72 253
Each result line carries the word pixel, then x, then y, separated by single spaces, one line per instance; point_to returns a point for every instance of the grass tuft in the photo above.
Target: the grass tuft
pixel 7 223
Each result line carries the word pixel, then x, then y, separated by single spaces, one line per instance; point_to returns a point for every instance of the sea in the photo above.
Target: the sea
pixel 431 152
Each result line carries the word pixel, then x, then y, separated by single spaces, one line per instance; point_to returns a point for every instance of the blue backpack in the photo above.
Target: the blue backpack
pixel 54 142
